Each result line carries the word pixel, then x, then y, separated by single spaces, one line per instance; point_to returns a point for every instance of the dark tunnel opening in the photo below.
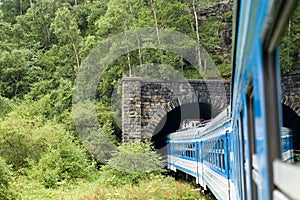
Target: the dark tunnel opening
pixel 171 122
pixel 292 120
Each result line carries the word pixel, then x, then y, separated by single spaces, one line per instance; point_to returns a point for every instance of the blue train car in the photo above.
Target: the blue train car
pixel 245 152
pixel 203 153
pixel 287 150
pixel 260 168
pixel 212 155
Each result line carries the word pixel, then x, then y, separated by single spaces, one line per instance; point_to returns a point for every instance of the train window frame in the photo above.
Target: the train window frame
pixel 218 154
pixel 223 154
pixel 251 138
pixel 278 171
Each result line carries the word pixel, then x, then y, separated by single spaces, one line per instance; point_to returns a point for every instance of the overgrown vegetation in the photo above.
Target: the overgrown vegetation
pixel 42 46
pixel 6 192
pixel 290 42
pixel 131 164
pixel 156 188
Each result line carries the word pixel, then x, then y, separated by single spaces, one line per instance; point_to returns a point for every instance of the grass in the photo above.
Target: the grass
pixel 158 187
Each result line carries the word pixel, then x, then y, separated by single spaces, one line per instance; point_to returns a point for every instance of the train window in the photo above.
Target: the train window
pixel 219 154
pixel 223 155
pixel 290 86
pixel 251 138
pixel 228 153
pixel 285 176
pixel 215 152
pixel 210 152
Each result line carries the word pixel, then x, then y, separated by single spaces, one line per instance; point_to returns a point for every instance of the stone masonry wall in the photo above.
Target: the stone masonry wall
pixel 142 99
pixel 291 91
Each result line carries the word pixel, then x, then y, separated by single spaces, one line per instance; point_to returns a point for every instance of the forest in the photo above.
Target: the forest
pixel 43 44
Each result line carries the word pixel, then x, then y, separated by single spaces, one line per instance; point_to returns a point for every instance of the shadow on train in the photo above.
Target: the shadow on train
pixel 171 122
pixel 292 120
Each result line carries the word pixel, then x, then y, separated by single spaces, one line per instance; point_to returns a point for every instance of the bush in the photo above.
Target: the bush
pixel 64 160
pixel 132 163
pixel 101 144
pixel 21 139
pixel 5 178
pixel 5 106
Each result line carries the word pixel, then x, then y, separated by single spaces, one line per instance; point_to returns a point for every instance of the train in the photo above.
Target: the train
pixel 245 152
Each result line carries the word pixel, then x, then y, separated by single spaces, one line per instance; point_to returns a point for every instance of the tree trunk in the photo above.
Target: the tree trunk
pixel 155 19
pixel 76 55
pixel 138 39
pixel 128 52
pixel 21 7
pixel 198 37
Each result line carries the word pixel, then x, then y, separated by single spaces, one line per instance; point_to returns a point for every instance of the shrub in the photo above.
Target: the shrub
pixel 5 178
pixel 64 160
pixel 21 139
pixel 101 144
pixel 5 106
pixel 132 163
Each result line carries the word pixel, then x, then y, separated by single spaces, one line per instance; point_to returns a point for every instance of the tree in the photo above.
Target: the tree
pixel 66 31
pixel 289 46
pixel 35 24
pixel 18 72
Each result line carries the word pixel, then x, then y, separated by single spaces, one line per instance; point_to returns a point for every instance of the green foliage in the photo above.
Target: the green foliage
pixel 225 70
pixel 5 106
pixel 18 72
pixel 100 144
pixel 290 42
pixel 26 132
pixel 132 163
pixel 297 155
pixel 21 139
pixel 156 188
pixel 42 45
pixel 64 160
pixel 5 179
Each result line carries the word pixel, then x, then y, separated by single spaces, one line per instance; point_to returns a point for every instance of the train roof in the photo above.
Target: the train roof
pixel 204 128
pixel 218 121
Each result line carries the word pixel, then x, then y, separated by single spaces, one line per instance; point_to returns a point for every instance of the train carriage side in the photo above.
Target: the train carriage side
pixel 182 152
pixel 260 169
pixel 216 159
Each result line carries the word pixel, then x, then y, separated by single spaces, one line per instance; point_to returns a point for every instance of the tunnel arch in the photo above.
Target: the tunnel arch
pixel 292 103
pixel 172 120
pixel 194 104
pixel 169 117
